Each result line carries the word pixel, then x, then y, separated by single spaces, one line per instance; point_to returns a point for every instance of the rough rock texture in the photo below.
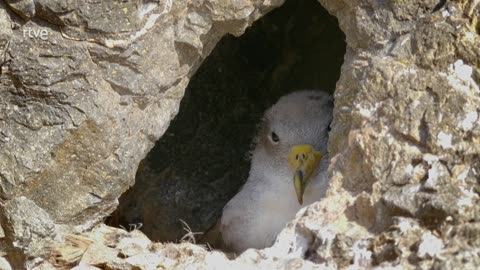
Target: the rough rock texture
pixel 110 248
pixel 86 89
pixel 202 160
pixel 404 144
pixel 405 141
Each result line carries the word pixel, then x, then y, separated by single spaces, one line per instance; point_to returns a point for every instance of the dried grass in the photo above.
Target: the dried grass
pixel 71 251
pixel 189 237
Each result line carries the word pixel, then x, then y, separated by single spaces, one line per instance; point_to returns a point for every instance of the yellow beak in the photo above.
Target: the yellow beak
pixel 303 160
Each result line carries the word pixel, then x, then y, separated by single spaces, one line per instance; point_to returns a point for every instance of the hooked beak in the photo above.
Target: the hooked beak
pixel 303 160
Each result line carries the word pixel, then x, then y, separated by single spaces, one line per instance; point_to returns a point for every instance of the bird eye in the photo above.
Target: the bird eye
pixel 274 137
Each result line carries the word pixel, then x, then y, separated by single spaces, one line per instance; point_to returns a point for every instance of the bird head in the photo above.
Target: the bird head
pixel 293 137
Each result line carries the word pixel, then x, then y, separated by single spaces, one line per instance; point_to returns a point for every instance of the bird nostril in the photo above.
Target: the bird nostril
pixel 296 157
pixel 304 156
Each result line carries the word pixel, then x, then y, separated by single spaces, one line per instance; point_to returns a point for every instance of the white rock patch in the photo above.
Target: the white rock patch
pixel 430 245
pixel 445 140
pixel 461 77
pixel 361 255
pixel 467 200
pixel 469 121
pixel 146 8
pixel 464 72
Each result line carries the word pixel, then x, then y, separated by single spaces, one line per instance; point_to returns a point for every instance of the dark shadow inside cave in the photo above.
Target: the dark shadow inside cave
pixel 202 160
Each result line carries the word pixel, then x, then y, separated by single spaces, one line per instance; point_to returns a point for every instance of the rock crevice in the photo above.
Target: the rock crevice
pixel 83 104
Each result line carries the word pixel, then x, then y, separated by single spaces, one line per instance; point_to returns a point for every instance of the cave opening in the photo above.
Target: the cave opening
pixel 202 160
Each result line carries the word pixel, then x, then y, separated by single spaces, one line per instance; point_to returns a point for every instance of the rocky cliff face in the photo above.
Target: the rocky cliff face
pixel 87 88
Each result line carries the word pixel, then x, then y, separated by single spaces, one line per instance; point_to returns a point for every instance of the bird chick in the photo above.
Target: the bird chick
pixel 288 171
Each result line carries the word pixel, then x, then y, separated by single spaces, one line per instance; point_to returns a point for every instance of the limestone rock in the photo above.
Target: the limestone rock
pixel 28 226
pixel 83 98
pixel 24 8
pixel 144 261
pixel 99 255
pixel 137 244
pixel 81 105
pixel 85 267
pixel 173 256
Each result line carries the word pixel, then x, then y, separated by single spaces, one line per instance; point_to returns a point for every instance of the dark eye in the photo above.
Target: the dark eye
pixel 275 137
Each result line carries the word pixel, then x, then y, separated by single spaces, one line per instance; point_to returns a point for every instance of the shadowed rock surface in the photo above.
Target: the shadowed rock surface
pixel 79 110
pixel 202 159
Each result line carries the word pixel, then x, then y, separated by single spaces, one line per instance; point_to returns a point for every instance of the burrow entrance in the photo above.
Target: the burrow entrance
pixel 202 160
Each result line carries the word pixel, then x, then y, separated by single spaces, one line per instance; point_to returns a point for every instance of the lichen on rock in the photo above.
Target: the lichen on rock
pixel 81 106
